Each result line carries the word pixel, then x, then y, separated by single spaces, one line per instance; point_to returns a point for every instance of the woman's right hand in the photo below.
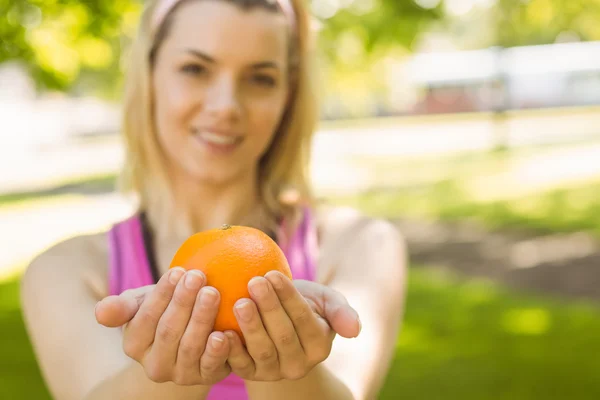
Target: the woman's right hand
pixel 168 328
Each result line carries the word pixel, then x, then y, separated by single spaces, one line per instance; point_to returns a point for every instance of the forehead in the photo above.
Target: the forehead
pixel 228 32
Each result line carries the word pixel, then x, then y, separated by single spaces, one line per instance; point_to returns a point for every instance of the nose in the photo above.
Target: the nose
pixel 223 100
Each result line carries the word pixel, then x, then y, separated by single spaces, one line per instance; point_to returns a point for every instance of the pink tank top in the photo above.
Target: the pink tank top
pixel 132 266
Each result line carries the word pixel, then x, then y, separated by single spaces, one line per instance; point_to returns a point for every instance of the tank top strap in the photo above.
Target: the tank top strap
pixel 129 265
pixel 301 249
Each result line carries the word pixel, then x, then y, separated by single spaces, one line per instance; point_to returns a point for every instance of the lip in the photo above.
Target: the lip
pixel 223 132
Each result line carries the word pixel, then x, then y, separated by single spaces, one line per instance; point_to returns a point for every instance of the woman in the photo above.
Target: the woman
pixel 218 119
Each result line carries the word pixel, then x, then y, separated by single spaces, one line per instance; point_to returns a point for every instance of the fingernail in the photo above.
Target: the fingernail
pixel 193 280
pixel 217 342
pixel 258 286
pixel 230 335
pixel 208 297
pixel 244 311
pixel 175 275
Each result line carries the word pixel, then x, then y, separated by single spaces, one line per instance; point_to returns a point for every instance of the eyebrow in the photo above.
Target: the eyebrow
pixel 210 60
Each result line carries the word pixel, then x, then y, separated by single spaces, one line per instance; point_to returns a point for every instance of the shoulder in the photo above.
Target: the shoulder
pixel 59 291
pixel 349 238
pixel 354 226
pixel 83 258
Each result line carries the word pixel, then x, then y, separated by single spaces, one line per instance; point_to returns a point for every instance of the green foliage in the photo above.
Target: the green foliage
pixel 542 21
pixel 385 24
pixel 76 45
pixel 66 42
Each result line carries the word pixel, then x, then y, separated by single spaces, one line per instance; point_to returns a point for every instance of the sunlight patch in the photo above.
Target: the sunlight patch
pixel 534 321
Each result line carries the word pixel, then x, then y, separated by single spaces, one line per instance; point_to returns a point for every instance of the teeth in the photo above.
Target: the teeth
pixel 216 138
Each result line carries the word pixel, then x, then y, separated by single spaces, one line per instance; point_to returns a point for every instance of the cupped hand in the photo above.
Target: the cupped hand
pixel 288 328
pixel 168 328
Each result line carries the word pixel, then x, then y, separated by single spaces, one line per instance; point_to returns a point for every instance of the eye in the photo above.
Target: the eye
pixel 264 80
pixel 193 69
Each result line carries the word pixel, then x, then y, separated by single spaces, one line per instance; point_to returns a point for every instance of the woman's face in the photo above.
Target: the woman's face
pixel 220 88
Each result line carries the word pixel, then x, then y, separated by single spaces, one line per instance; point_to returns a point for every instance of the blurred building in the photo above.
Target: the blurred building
pixel 556 75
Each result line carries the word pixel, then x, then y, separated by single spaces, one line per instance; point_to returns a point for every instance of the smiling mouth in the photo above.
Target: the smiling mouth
pixel 215 138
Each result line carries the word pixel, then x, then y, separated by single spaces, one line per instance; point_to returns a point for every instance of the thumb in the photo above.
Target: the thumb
pixel 115 311
pixel 342 318
pixel 332 306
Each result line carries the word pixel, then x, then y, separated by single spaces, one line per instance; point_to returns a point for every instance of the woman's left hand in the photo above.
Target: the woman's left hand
pixel 288 327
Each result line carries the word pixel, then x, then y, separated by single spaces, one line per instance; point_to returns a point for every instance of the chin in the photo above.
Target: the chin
pixel 216 176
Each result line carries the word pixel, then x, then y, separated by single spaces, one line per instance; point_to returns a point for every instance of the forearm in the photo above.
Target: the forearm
pixel 320 384
pixel 132 383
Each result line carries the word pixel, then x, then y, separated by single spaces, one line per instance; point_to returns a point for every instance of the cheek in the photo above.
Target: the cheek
pixel 173 101
pixel 265 119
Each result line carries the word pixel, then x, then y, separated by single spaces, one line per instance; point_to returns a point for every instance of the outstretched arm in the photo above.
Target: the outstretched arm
pixel 371 275
pixel 81 359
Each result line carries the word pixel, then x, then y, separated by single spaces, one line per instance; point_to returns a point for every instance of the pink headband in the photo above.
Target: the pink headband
pixel 165 6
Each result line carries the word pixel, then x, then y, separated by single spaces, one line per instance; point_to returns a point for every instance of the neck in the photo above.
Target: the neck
pixel 209 207
pixel 205 206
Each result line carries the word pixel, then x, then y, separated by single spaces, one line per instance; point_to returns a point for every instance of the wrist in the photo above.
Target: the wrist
pixel 319 383
pixel 195 392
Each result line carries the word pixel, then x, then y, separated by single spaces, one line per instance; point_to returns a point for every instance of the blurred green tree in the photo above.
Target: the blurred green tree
pixel 532 22
pixel 76 45
pixel 67 44
pixel 377 25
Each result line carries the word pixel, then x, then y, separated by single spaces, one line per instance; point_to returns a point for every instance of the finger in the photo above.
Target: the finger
pixel 279 327
pixel 239 359
pixel 213 363
pixel 139 332
pixel 308 326
pixel 174 320
pixel 200 325
pixel 114 311
pixel 332 306
pixel 259 344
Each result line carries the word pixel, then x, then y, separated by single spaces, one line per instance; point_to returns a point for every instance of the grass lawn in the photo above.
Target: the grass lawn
pixel 59 189
pixel 474 340
pixel 461 340
pixel 19 375
pixel 563 210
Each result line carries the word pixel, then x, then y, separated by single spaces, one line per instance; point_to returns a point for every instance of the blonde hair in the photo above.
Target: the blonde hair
pixel 284 165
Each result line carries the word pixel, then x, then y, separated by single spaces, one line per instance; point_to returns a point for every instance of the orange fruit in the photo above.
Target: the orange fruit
pixel 230 257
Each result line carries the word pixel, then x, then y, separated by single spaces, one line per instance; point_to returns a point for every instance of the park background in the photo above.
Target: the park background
pixel 473 125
